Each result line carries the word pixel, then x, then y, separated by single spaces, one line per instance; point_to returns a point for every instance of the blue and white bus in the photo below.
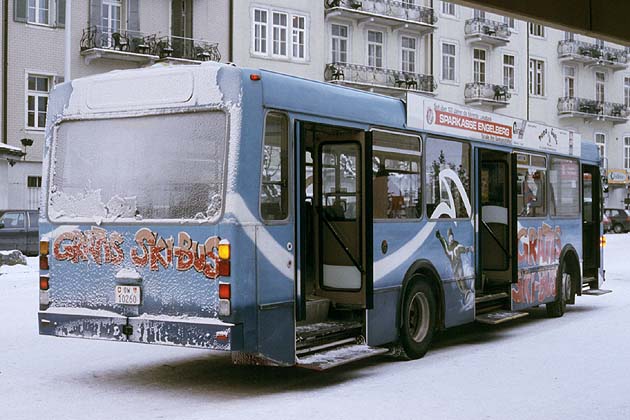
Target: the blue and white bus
pixel 293 222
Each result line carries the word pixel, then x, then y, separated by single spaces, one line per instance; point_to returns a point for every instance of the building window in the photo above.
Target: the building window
pixel 599 43
pixel 600 82
pixel 600 141
pixel 260 31
pixel 509 21
pixel 408 54
pixel 479 65
pixel 110 20
pixel 298 40
pixel 339 46
pixel 33 181
pixel 626 153
pixel 536 77
pixel 375 49
pixel 536 30
pixel 448 61
pixel 509 70
pixel 626 91
pixel 279 34
pixel 37 101
pixel 569 36
pixel 479 14
pixel 569 81
pixel 38 11
pixel 448 8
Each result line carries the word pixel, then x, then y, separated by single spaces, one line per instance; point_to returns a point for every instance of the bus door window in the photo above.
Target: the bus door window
pixel 396 162
pixel 564 178
pixel 531 185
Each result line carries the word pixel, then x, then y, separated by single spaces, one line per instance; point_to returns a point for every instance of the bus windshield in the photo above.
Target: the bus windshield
pixel 158 167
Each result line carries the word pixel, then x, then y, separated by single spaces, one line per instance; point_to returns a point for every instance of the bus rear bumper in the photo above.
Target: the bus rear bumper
pixel 196 332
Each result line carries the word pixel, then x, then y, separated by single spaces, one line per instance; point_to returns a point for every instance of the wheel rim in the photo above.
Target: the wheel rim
pixel 566 285
pixel 418 316
pixel 617 229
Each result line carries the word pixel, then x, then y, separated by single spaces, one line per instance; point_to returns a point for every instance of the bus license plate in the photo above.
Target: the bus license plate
pixel 127 295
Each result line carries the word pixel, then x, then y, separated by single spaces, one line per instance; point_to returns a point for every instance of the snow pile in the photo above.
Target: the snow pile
pixel 30 267
pixel 10 258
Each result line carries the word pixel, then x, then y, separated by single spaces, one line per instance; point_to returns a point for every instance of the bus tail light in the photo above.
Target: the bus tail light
pixel 44 283
pixel 43 262
pixel 224 249
pixel 225 294
pixel 225 253
pixel 602 241
pixel 44 248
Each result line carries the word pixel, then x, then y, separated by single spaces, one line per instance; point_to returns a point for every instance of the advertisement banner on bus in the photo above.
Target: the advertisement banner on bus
pixel 459 120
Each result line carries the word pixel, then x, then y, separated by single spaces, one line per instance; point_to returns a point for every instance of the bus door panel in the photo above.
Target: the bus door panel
pixel 496 217
pixel 591 215
pixel 342 227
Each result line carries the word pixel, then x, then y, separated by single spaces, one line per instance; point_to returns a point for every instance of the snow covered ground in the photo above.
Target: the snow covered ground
pixel 575 367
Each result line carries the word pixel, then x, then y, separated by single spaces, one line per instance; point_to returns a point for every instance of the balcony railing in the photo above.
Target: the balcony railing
pixel 366 76
pixel 187 49
pixel 137 46
pixel 391 8
pixel 487 29
pixel 587 52
pixel 104 38
pixel 486 94
pixel 589 108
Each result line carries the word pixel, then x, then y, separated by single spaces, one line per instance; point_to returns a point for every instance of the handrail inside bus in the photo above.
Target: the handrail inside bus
pixel 339 239
pixel 505 251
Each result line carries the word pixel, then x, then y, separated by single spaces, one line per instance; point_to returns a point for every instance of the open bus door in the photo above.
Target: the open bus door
pixel 333 235
pixel 591 229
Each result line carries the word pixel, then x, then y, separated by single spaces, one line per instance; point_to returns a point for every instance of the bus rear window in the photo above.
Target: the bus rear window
pixel 154 167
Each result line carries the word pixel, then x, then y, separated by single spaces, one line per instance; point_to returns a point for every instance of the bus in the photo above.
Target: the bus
pixel 294 222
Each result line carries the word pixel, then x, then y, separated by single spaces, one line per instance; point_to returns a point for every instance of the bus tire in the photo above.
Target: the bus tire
pixel 564 293
pixel 419 319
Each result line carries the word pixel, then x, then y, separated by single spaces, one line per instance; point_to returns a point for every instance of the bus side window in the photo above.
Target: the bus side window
pixel 564 182
pixel 396 166
pixel 274 200
pixel 531 193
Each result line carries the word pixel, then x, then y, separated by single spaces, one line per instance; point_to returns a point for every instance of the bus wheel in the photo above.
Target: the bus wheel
pixel 557 308
pixel 418 319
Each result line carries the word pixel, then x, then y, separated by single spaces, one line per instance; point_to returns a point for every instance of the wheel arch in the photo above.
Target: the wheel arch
pixel 425 269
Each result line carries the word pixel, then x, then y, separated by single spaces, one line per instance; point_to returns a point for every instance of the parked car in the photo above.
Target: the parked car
pixel 619 220
pixel 19 230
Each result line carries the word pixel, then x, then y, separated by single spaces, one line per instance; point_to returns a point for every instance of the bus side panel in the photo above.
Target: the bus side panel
pixel 276 292
pixel 397 246
pixel 540 244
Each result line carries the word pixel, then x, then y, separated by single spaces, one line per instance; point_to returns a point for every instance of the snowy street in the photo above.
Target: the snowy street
pixel 573 367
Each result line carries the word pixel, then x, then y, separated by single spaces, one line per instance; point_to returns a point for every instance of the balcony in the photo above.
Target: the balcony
pixel 391 13
pixel 180 50
pixel 480 94
pixel 484 31
pixel 589 109
pixel 385 81
pixel 592 55
pixel 99 43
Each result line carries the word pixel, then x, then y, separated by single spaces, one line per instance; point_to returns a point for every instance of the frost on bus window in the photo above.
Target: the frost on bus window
pixel 447 179
pixel 154 167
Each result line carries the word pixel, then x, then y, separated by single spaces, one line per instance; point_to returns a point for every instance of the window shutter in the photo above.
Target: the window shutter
pixel 95 12
pixel 61 13
pixel 133 16
pixel 20 10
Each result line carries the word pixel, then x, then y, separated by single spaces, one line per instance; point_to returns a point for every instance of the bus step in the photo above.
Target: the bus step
pixel 339 356
pixel 596 292
pixel 491 297
pixel 500 316
pixel 325 333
